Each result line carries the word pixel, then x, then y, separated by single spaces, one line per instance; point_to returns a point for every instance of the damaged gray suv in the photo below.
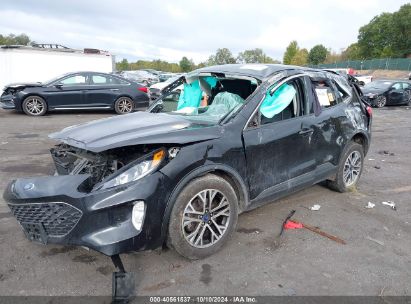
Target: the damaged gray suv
pixel 233 138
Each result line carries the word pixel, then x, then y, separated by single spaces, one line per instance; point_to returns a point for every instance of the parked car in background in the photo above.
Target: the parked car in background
pixel 165 76
pixel 409 76
pixel 363 79
pixel 152 71
pixel 140 76
pixel 74 91
pixel 181 172
pixel 387 92
pixel 155 90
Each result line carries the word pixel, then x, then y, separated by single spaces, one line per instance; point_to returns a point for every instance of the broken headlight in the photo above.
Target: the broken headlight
pixel 134 171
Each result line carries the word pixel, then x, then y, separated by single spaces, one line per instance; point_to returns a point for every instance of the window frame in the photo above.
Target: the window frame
pixel 257 108
pixel 85 75
pixel 401 86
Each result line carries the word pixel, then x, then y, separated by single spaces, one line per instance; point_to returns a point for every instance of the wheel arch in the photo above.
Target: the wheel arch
pixel 221 170
pixel 361 139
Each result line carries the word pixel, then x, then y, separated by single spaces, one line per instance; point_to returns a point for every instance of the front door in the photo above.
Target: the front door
pixel 396 94
pixel 279 141
pixel 67 92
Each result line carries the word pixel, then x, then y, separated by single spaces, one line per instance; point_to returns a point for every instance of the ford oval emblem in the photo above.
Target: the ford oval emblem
pixel 28 186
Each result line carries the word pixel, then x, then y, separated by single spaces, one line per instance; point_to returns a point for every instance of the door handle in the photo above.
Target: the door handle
pixel 305 131
pixel 114 90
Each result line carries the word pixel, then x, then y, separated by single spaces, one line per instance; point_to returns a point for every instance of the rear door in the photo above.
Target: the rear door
pixel 279 148
pixel 328 125
pixel 103 90
pixel 68 92
pixel 396 95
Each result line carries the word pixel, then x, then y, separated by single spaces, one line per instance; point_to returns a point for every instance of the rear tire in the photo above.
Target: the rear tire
pixel 203 218
pixel 349 169
pixel 124 105
pixel 34 106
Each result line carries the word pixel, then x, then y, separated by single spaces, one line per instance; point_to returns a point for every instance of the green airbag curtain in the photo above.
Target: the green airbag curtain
pixel 191 96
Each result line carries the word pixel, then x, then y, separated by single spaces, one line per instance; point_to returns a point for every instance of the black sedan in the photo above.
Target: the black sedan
pixel 74 91
pixel 387 92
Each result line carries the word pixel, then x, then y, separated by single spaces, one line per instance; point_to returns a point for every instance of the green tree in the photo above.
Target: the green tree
pixel 317 54
pixel 352 52
pixel 12 39
pixel 122 65
pixel 291 50
pixel 186 65
pixel 332 57
pixel 376 35
pixel 254 56
pixel 386 35
pixel 401 41
pixel 222 56
pixel 300 58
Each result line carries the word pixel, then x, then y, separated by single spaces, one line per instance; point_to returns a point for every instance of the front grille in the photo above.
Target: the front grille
pixel 57 219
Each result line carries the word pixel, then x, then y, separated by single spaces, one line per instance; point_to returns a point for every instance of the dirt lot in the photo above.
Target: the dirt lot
pixel 376 259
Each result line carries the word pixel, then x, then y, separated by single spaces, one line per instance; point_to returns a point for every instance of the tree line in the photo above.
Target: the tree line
pixel 221 56
pixel 12 39
pixel 386 35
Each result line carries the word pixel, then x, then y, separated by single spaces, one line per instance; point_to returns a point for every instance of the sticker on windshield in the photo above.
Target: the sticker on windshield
pixel 256 67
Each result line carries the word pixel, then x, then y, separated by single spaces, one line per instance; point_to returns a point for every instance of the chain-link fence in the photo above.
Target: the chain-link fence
pixel 403 64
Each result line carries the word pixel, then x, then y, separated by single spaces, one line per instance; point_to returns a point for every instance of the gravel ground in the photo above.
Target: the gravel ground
pixel 376 259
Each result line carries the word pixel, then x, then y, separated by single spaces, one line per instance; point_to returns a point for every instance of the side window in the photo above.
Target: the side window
pixel 114 80
pixel 397 86
pixel 74 80
pixel 326 93
pixel 406 86
pixel 285 102
pixel 98 79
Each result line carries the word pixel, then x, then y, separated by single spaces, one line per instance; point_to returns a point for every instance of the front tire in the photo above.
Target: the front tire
pixel 381 101
pixel 124 105
pixel 203 218
pixel 349 169
pixel 34 106
pixel 408 94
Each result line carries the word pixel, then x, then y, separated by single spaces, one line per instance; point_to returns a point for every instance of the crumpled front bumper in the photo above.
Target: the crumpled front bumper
pixel 7 101
pixel 51 209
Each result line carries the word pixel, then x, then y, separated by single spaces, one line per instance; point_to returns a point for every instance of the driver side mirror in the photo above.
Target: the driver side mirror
pixel 58 85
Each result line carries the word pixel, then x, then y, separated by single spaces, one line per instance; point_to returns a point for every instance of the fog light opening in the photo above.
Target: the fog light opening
pixel 138 213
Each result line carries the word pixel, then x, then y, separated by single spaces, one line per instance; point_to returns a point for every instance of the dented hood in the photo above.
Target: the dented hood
pixel 134 129
pixel 20 85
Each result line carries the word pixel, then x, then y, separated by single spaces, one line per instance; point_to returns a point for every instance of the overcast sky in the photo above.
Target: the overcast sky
pixel 169 30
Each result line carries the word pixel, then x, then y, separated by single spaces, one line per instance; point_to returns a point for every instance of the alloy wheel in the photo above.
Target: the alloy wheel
pixel 381 101
pixel 34 106
pixel 206 218
pixel 125 105
pixel 352 168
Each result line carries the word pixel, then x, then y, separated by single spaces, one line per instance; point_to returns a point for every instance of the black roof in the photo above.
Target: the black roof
pixel 257 70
